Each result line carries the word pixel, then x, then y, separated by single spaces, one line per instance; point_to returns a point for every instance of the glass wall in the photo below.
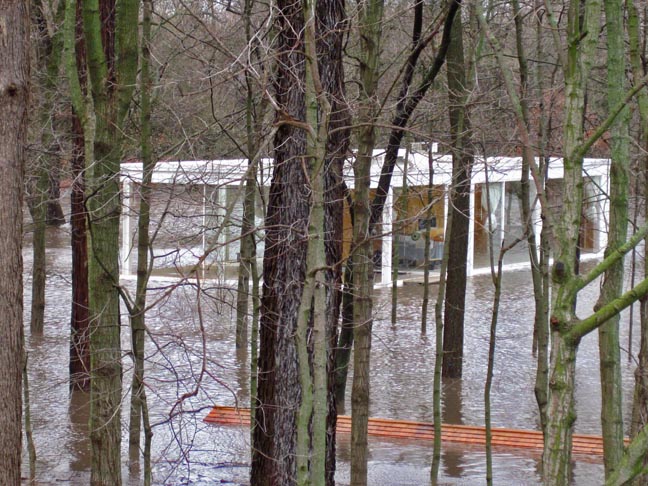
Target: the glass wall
pixel 592 222
pixel 188 224
pixel 489 222
pixel 419 214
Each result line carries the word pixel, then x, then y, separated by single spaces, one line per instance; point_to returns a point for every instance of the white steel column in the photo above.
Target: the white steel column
pixel 126 226
pixel 604 213
pixel 221 204
pixel 446 200
pixel 470 260
pixel 502 217
pixel 204 228
pixel 387 239
pixel 536 214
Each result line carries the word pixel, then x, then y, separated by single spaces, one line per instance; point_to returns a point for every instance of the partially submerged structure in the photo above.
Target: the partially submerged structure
pixel 197 211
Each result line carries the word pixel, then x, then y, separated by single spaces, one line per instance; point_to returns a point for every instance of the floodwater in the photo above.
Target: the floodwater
pixel 191 350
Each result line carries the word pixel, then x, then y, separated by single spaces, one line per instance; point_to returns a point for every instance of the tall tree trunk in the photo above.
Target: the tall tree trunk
pixel 111 43
pixel 48 56
pixel 38 209
pixel 438 365
pixel 402 212
pixel 540 271
pixel 462 160
pixel 312 319
pixel 103 278
pixel 561 414
pixel 332 26
pixel 139 404
pixel 370 28
pixel 300 374
pixel 640 401
pixel 14 100
pixel 79 321
pixel 253 118
pixel 345 338
pixel 48 53
pixel 279 391
pixel 560 401
pixel 609 351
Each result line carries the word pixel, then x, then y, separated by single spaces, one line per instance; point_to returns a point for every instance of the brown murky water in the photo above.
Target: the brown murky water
pixel 186 451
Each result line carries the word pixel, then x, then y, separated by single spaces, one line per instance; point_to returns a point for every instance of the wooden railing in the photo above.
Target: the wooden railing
pixel 406 429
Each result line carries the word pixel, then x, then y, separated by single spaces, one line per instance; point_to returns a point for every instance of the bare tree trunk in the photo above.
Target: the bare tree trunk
pixel 457 239
pixel 612 287
pixel 560 412
pixel 79 320
pixel 562 366
pixel 438 364
pixel 29 431
pixel 497 282
pixel 48 53
pixel 640 401
pixel 345 339
pixel 139 404
pixel 38 212
pixel 540 271
pixel 370 28
pixel 279 391
pixel 253 119
pixel 111 41
pixel 332 25
pixel 14 100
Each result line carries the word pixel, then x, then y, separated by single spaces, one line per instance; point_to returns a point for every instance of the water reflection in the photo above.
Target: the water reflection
pixel 79 415
pixel 189 452
pixel 451 413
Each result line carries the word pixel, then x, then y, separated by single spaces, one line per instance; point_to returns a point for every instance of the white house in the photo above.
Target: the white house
pixel 197 211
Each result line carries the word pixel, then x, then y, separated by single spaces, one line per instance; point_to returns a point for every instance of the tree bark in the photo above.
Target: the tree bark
pixel 111 41
pixel 279 391
pixel 48 54
pixel 561 414
pixel 332 27
pixel 14 100
pixel 79 321
pixel 612 287
pixel 253 120
pixel 139 405
pixel 457 238
pixel 292 192
pixel 640 401
pixel 370 28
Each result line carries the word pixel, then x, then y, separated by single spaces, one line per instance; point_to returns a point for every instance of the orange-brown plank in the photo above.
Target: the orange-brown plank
pixel 407 429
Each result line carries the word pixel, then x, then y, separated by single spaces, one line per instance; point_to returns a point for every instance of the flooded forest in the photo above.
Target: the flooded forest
pixel 319 242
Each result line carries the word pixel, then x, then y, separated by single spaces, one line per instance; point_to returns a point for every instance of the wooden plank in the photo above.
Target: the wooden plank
pixel 408 429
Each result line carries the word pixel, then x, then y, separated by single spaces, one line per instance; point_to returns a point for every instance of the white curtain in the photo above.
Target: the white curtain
pixel 491 199
pixel 590 200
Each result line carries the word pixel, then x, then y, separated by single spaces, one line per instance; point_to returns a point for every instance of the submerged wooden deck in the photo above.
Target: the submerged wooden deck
pixel 406 429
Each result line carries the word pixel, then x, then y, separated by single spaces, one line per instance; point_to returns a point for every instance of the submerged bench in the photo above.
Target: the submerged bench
pixel 407 429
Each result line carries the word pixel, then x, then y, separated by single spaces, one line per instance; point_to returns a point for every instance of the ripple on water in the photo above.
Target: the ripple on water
pixel 189 452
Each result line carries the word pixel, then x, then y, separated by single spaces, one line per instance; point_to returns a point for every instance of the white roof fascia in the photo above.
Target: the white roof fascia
pixel 231 172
